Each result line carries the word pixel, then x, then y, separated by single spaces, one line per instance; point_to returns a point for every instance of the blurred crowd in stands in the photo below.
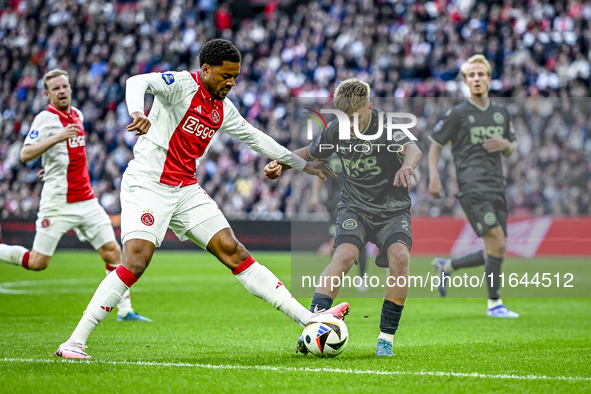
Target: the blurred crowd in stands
pixel 404 49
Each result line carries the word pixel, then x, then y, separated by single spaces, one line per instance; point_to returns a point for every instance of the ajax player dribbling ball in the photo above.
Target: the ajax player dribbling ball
pixel 159 189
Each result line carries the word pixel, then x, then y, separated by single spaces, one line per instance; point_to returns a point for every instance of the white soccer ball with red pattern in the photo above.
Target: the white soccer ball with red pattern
pixel 326 335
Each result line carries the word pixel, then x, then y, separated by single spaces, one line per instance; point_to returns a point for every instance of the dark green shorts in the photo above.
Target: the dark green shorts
pixel 485 210
pixel 380 231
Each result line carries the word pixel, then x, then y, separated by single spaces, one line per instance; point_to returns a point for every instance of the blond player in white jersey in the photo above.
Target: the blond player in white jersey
pixel 159 189
pixel 67 201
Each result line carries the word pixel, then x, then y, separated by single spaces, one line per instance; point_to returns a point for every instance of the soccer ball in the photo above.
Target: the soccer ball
pixel 326 335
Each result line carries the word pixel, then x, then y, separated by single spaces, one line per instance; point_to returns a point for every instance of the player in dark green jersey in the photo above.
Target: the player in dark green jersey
pixel 334 186
pixel 374 203
pixel 479 131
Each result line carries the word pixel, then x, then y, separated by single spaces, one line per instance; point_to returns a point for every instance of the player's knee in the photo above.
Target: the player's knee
pixel 500 245
pixel 496 242
pixel 237 250
pixel 136 264
pixel 137 257
pixel 234 253
pixel 111 253
pixel 345 262
pixel 398 257
pixel 346 258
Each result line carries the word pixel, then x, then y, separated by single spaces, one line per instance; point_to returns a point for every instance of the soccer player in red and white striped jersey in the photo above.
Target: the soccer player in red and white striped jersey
pixel 159 189
pixel 67 200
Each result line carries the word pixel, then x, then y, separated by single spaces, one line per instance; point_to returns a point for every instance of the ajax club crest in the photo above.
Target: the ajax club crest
pixel 215 115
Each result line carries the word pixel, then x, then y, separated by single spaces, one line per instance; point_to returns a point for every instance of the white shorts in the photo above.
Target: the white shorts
pixel 148 208
pixel 88 219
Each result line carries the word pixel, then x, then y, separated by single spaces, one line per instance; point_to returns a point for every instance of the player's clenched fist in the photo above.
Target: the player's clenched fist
pixel 435 188
pixel 140 123
pixel 273 170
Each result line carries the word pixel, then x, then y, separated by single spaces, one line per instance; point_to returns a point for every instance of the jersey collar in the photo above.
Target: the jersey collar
pixel 478 106
pixel 53 109
pixel 367 127
pixel 204 93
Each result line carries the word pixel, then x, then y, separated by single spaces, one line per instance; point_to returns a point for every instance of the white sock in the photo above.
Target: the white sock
pixel 104 300
pixel 262 283
pixel 494 303
pixel 447 267
pixel 124 306
pixel 387 337
pixel 12 254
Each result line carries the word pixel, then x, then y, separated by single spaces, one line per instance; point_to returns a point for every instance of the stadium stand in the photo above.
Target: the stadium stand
pixel 404 50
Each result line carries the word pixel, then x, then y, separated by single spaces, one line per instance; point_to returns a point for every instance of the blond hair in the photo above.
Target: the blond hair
pixel 56 72
pixel 475 59
pixel 351 95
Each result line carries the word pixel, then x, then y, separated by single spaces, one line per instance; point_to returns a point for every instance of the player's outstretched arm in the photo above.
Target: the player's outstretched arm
pixel 315 197
pixel 274 169
pixel 33 151
pixel 412 157
pixel 318 168
pixel 237 127
pixel 435 186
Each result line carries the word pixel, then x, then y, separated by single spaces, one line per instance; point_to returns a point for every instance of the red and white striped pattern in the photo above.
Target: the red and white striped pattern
pixel 185 117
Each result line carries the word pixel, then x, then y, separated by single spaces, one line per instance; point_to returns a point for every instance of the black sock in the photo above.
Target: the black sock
pixel 320 302
pixel 390 319
pixel 493 266
pixel 362 259
pixel 473 259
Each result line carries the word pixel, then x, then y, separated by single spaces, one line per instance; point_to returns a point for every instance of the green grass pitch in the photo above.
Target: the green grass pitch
pixel 210 336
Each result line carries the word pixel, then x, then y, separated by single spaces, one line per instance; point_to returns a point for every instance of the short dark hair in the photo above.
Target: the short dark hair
pixel 215 52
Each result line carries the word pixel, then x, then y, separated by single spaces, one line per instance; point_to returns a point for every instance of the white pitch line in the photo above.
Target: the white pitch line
pixel 69 286
pixel 295 369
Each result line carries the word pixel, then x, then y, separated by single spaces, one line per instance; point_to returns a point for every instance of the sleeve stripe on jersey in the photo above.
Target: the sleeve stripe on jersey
pixel 403 145
pixel 312 157
pixel 435 142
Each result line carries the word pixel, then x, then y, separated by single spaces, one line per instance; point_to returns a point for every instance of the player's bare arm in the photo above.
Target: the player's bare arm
pixel 435 186
pixel 318 168
pixel 135 89
pixel 496 144
pixel 302 152
pixel 274 169
pixel 412 157
pixel 315 197
pixel 140 123
pixel 33 151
